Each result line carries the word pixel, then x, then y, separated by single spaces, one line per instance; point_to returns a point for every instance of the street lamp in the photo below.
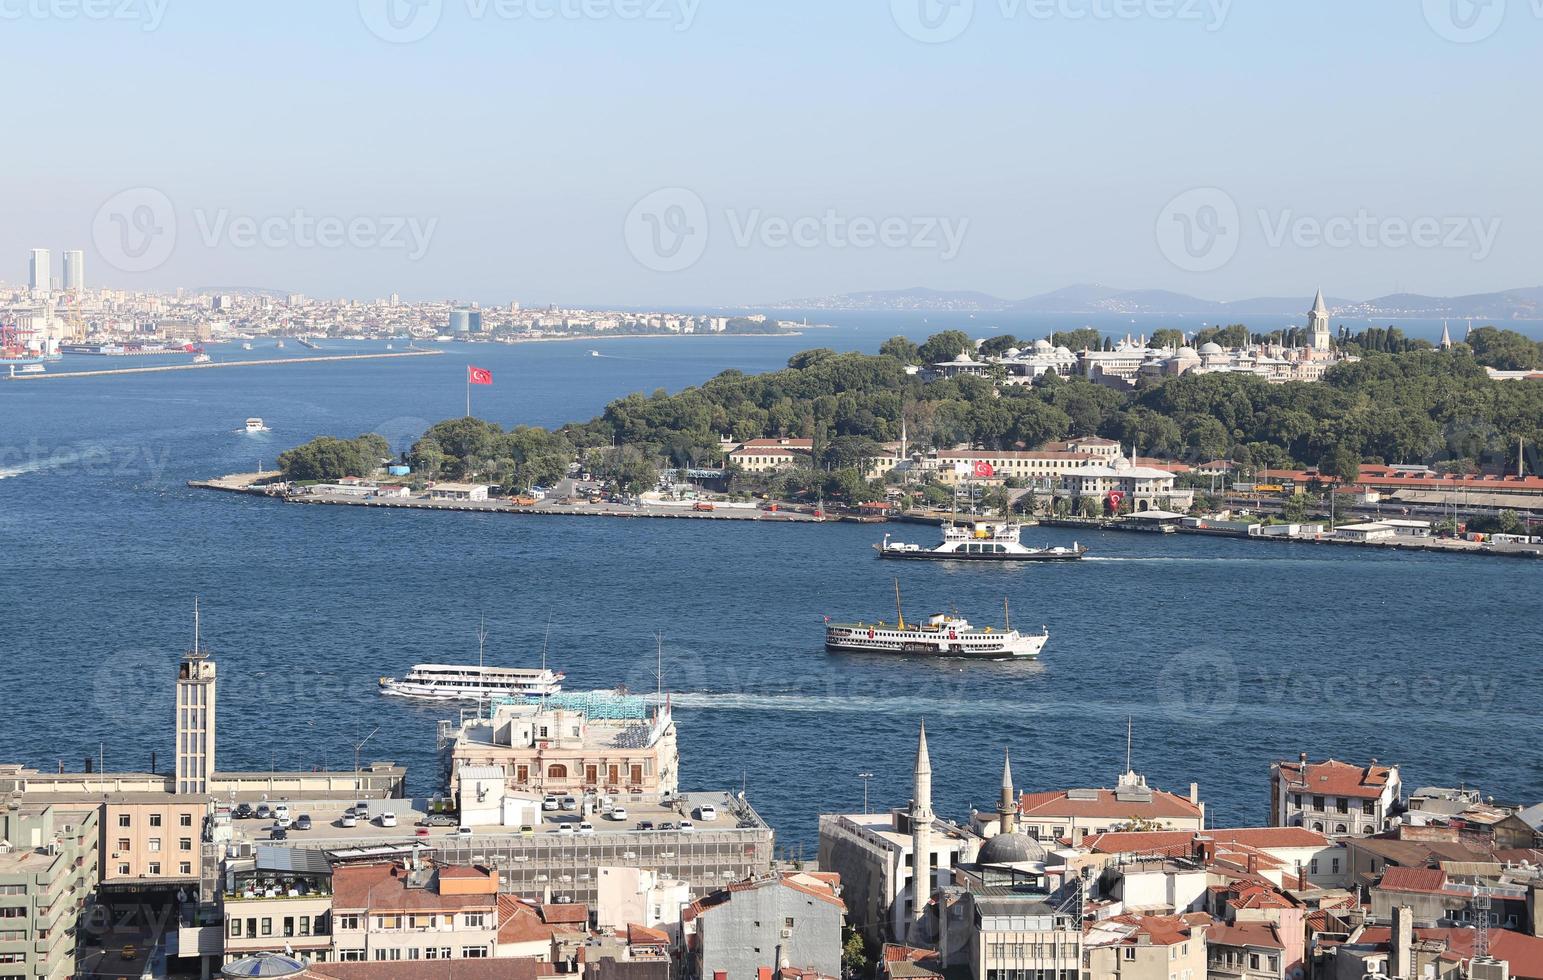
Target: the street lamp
pixel 865 777
pixel 359 747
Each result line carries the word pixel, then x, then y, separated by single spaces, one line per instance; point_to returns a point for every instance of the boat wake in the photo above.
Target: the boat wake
pixel 53 462
pixel 961 705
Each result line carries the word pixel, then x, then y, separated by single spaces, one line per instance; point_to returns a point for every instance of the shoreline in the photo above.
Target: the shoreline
pixel 635 336
pixel 268 362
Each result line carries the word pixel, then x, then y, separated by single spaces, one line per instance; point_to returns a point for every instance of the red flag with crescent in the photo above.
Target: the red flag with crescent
pixel 478 376
pixel 984 470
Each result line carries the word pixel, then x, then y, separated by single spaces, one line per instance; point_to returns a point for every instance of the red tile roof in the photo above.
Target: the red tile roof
pixel 1335 778
pixel 565 914
pixel 520 923
pixel 383 888
pixel 1265 838
pixel 1056 803
pixel 641 935
pixel 1260 934
pixel 1427 880
pixel 1523 952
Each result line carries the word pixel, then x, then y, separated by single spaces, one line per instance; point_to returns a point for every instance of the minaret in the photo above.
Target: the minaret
pixel 921 829
pixel 1318 324
pixel 1007 809
pixel 1446 336
pixel 195 717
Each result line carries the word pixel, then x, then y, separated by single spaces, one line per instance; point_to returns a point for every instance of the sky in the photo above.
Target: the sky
pixel 732 152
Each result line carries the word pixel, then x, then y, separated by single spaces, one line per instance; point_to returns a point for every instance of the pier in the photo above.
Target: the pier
pixel 269 362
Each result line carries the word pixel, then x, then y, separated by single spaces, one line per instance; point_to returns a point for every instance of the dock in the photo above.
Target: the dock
pixel 269 362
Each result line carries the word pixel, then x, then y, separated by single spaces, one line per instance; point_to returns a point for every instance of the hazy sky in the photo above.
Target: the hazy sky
pixel 735 151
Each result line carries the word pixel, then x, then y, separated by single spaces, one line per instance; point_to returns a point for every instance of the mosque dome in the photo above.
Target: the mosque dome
pixel 1042 344
pixel 1013 848
pixel 1212 348
pixel 264 965
pixel 1188 354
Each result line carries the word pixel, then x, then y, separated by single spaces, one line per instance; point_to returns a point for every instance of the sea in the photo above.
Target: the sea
pixel 1217 656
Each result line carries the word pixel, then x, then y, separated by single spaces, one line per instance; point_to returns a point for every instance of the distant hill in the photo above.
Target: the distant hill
pixel 1513 304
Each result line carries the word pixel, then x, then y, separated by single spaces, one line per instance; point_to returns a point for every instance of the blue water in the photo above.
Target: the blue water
pixel 1225 654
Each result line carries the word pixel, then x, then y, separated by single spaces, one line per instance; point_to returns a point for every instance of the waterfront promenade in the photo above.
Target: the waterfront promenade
pixel 268 362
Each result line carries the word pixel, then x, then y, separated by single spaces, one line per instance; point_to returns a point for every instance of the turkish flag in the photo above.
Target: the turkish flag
pixel 478 376
pixel 984 470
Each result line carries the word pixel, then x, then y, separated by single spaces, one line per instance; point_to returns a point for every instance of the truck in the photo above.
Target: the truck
pixel 704 507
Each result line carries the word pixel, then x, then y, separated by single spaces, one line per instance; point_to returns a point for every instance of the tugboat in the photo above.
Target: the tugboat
pixel 942 635
pixel 980 542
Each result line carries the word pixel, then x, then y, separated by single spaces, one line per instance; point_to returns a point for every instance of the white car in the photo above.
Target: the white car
pixel 564 830
pixel 388 819
pixel 283 820
pixel 707 812
pixel 348 819
pixel 550 804
pixel 686 827
pixel 463 831
pixel 281 810
pixel 586 828
pixel 617 813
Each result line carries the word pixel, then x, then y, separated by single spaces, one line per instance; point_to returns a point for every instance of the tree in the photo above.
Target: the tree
pixel 809 358
pixel 901 349
pixel 1295 508
pixel 1086 338
pixel 328 458
pixel 945 346
pixel 1342 463
pixel 1505 350
pixel 854 952
pixel 1166 337
pixel 998 346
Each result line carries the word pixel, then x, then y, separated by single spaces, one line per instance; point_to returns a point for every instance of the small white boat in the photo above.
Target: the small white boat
pixel 201 358
pixel 255 425
pixel 247 345
pixel 594 353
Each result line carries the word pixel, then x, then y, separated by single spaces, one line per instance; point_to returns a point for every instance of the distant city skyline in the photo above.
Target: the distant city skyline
pixel 744 154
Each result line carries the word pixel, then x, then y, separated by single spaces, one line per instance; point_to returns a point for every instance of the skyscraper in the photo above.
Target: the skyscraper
pixel 75 271
pixel 40 271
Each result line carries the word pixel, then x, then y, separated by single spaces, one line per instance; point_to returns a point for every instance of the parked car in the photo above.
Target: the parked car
pixel 707 812
pixel 304 822
pixel 281 810
pixel 686 826
pixel 617 813
pixel 527 831
pixel 667 825
pixel 348 819
pixel 283 820
pixel 586 828
pixel 279 833
pixel 442 820
pixel 645 825
pixel 263 812
pixel 243 811
pixel 463 831
pixel 129 952
pixel 387 819
pixel 570 803
pixel 551 804
pixel 564 830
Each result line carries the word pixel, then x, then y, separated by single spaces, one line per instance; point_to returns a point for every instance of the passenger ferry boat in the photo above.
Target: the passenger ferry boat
pixel 443 682
pixel 980 542
pixel 942 635
pixel 256 425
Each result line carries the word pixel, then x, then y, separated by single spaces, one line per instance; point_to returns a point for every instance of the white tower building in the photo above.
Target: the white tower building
pixel 195 717
pixel 1318 325
pixel 921 830
pixel 40 271
pixel 75 271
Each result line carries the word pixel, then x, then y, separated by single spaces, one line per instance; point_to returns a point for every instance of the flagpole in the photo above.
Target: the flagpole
pixel 468 392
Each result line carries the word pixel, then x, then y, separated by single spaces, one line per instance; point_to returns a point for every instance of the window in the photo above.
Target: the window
pixel 474 952
pixel 235 928
pixel 123 820
pixel 348 923
pixel 787 923
pixel 1334 865
pixel 185 868
pixel 305 925
pixel 185 820
pixel 414 953
pixel 1253 961
pixel 125 844
pixel 1317 803
pixel 267 926
pixel 185 844
pixel 1312 866
pixel 155 868
pixel 1369 808
pixel 155 845
pixel 475 920
pixel 351 955
pixel 289 926
pixel 1341 806
pixel 123 869
pixel 155 819
pixel 557 772
pixel 1130 952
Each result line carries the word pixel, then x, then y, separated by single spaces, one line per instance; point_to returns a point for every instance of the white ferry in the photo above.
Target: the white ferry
pixel 941 635
pixel 256 425
pixel 444 682
pixel 979 542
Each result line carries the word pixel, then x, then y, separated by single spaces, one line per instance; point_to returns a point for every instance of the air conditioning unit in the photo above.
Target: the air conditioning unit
pixel 787 934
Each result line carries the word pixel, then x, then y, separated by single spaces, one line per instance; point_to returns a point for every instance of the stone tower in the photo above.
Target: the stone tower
pixel 921 829
pixel 195 717
pixel 1007 808
pixel 1318 325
